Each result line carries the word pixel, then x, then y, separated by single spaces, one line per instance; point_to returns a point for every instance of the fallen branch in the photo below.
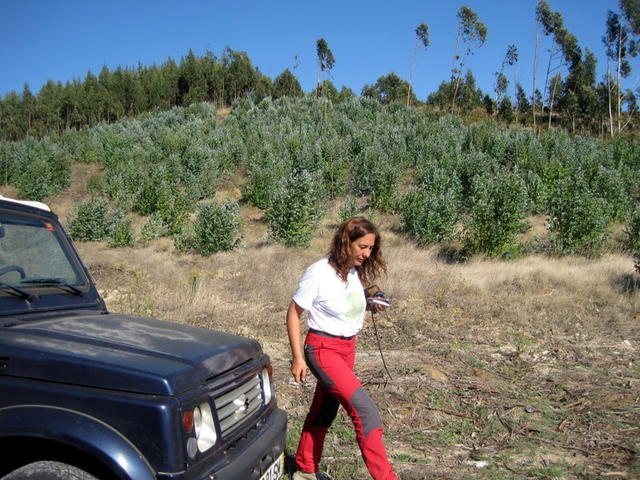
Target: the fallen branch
pixel 448 412
pixel 560 445
pixel 504 423
pixel 413 432
pixel 507 467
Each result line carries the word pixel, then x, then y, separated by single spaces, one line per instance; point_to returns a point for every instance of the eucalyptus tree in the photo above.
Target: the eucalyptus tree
pixel 12 122
pixel 345 94
pixel 564 51
pixel 287 85
pixel 389 88
pixel 578 97
pixel 263 88
pixel 511 60
pixel 620 47
pixel 469 95
pixel 192 86
pixel 28 105
pixel 240 75
pixel 370 91
pixel 616 41
pixel 422 38
pixel 326 90
pixel 545 21
pixel 90 102
pixel 522 102
pixel 212 72
pixel 472 33
pixel 325 62
pixel 501 86
pixel 47 118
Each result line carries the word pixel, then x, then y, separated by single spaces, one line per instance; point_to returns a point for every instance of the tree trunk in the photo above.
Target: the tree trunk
pixel 453 69
pixel 546 86
pixel 535 67
pixel 618 75
pixel 609 102
pixel 455 94
pixel 551 99
pixel 413 70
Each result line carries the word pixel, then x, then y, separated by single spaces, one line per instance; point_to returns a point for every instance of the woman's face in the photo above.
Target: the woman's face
pixel 361 248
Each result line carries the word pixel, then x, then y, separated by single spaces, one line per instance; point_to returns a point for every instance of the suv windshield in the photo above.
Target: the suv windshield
pixel 32 254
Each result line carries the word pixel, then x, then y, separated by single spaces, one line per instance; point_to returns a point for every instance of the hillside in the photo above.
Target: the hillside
pixel 527 366
pixel 512 342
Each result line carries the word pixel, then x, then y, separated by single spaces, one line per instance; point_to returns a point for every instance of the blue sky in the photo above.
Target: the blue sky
pixel 64 39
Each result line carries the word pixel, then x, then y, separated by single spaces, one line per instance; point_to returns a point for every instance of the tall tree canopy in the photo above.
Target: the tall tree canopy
pixel 422 38
pixel 472 33
pixel 325 62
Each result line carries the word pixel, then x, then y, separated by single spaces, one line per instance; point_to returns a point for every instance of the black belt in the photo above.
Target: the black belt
pixel 328 335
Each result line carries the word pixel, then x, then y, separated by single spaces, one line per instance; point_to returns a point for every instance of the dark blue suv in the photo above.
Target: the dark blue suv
pixel 87 394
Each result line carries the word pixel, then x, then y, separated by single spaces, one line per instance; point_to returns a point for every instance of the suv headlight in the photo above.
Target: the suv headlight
pixel 266 384
pixel 200 421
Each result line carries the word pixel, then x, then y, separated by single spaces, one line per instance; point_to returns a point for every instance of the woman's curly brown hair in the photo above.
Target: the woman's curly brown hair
pixel 340 250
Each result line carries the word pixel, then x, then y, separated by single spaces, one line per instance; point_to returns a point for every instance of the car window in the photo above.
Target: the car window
pixel 31 248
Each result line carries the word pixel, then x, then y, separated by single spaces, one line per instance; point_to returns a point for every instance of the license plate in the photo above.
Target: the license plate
pixel 275 470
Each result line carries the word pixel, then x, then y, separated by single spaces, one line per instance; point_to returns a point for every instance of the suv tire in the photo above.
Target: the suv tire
pixel 48 470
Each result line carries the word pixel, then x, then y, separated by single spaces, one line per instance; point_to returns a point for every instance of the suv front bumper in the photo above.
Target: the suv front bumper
pixel 249 460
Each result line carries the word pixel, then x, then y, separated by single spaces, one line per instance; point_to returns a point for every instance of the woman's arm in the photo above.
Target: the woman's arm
pixel 298 365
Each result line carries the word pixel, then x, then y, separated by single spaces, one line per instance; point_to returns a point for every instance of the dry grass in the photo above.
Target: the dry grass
pixel 530 366
pixel 472 347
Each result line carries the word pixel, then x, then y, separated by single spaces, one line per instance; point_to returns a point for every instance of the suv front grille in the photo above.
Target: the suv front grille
pixel 238 404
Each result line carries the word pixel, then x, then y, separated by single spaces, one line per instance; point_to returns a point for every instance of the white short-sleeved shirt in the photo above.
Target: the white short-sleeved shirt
pixel 334 307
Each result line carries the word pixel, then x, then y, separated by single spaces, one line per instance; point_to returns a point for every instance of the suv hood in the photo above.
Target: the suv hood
pixel 120 352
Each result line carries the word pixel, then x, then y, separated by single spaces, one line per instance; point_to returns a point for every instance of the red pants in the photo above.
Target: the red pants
pixel 331 360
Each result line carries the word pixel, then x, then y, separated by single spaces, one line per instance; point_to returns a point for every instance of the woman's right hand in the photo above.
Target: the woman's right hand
pixel 298 365
pixel 299 370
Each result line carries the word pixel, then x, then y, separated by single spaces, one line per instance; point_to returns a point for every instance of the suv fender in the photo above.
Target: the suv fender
pixel 78 430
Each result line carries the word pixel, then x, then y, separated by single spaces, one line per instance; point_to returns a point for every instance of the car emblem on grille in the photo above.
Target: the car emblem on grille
pixel 242 405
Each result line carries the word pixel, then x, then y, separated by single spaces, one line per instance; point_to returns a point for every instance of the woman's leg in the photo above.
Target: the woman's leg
pixel 322 412
pixel 331 361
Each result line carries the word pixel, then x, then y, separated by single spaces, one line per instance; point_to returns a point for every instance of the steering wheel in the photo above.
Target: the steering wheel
pixel 13 268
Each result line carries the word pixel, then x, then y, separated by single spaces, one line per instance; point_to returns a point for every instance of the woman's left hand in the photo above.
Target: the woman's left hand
pixel 377 308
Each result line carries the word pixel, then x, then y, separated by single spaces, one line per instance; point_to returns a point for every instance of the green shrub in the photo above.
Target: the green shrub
pixel 217 227
pixel 96 220
pixel 174 210
pixel 429 217
pixel 262 177
pixel 469 167
pixel 90 220
pixel 496 215
pixel 184 240
pixel 120 232
pixel 536 192
pixel 296 210
pixel 349 209
pixel 632 230
pixel 610 186
pixel 39 168
pixel 434 178
pixel 154 227
pixel 577 218
pixel 375 175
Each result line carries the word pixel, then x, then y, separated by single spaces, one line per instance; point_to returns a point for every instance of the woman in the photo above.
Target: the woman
pixel 331 291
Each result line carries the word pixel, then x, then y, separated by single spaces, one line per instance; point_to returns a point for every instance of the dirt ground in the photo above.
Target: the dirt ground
pixel 483 369
pixel 496 370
